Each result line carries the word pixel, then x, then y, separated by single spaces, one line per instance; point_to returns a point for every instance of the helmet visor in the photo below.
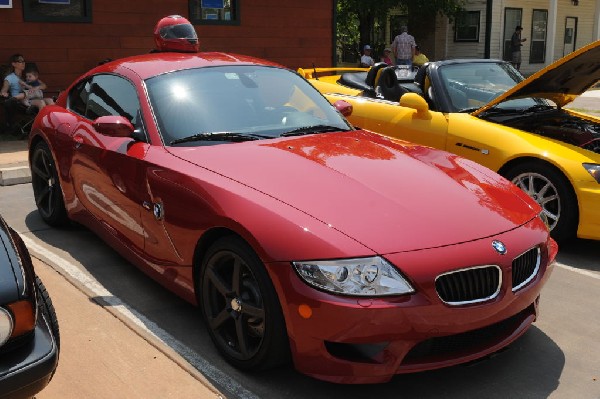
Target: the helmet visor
pixel 181 31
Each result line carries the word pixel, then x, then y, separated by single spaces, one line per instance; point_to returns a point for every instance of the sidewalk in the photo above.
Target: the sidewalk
pixel 101 357
pixel 14 166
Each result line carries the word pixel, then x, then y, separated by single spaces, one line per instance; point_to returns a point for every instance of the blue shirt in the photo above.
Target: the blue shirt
pixel 15 88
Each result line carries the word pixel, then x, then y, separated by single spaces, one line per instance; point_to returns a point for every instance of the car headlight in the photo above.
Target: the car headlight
pixel 6 325
pixel 594 170
pixel 363 277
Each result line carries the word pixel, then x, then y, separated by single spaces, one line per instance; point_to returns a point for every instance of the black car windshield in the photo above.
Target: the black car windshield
pixel 258 101
pixel 470 86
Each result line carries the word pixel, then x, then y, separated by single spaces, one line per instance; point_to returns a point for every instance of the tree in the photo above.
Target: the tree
pixel 361 22
pixel 357 21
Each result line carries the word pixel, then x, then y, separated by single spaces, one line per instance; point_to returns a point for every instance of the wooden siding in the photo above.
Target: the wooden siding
pixel 295 34
pixel 585 13
pixel 469 49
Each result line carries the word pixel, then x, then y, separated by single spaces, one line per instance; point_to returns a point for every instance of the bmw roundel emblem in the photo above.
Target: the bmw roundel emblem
pixel 499 247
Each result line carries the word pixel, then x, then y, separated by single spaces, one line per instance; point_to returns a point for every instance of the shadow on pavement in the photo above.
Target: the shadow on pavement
pixel 530 367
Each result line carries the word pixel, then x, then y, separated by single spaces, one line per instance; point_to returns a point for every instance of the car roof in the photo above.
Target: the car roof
pixel 153 64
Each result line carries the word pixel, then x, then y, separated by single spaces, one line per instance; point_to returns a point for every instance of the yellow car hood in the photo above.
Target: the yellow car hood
pixel 560 82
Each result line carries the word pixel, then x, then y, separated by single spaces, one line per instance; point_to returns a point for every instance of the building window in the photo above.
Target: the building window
pixel 539 27
pixel 214 12
pixel 57 10
pixel 466 28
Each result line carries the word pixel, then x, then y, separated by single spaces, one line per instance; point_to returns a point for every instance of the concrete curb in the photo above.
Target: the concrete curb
pixel 116 310
pixel 10 175
pixel 14 165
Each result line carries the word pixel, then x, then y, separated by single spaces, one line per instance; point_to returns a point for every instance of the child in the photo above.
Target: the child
pixel 386 56
pixel 32 91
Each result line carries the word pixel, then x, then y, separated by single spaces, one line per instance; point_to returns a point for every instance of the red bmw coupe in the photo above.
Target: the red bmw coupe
pixel 234 183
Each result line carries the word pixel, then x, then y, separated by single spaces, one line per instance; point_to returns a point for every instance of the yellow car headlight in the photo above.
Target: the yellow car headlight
pixel 594 170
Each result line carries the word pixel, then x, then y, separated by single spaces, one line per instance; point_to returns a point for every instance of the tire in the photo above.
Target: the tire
pixel 46 307
pixel 46 187
pixel 241 308
pixel 553 192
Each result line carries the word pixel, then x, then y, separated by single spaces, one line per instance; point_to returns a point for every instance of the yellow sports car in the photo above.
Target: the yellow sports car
pixel 483 110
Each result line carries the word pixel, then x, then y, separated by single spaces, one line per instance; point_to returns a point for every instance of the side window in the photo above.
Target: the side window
pixel 112 95
pixel 78 97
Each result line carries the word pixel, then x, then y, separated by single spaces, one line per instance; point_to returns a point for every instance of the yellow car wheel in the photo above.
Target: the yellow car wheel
pixel 553 192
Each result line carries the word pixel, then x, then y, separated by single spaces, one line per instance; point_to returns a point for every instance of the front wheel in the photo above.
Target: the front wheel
pixel 240 306
pixel 553 192
pixel 46 186
pixel 47 308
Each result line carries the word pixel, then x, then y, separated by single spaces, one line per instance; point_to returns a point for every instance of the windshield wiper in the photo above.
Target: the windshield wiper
pixel 498 111
pixel 219 136
pixel 312 129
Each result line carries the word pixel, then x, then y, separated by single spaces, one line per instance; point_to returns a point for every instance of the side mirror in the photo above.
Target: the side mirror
pixel 113 126
pixel 414 101
pixel 344 107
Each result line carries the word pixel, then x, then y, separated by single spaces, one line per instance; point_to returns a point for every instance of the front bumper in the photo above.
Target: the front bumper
pixel 354 340
pixel 588 195
pixel 28 368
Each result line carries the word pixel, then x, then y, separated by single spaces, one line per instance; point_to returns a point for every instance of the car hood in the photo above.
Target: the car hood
pixel 560 82
pixel 389 195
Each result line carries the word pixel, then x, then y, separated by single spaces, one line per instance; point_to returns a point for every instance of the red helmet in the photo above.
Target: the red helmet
pixel 175 33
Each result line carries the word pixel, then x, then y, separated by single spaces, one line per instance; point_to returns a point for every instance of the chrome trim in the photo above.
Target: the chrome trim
pixel 535 270
pixel 494 295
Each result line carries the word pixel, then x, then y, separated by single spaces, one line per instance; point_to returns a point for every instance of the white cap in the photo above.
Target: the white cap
pixel 367 47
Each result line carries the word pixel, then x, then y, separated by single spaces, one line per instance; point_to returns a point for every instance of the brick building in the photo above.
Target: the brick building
pixel 67 37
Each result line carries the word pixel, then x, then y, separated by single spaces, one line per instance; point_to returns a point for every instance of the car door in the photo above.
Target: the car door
pixel 107 172
pixel 402 122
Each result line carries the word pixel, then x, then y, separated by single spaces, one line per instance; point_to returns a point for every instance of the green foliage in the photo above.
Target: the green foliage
pixel 361 22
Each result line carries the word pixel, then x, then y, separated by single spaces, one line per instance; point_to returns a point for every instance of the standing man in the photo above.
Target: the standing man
pixel 515 47
pixel 366 60
pixel 403 47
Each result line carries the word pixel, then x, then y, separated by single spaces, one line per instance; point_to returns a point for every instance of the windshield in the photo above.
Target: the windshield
pixel 198 106
pixel 470 86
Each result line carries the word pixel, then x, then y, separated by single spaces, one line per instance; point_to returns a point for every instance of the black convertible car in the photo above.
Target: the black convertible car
pixel 29 336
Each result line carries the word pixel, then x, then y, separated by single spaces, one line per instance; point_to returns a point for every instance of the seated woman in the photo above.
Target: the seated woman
pixel 12 86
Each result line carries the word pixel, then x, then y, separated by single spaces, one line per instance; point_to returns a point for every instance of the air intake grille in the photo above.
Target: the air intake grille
pixel 525 267
pixel 466 286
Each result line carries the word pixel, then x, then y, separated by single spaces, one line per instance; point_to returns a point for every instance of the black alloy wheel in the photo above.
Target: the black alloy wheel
pixel 46 187
pixel 241 308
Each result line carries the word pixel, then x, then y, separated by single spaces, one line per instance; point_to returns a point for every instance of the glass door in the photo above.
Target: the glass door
pixel 570 35
pixel 512 19
pixel 539 27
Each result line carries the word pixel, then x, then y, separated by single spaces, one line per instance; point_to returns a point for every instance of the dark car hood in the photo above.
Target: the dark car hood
pixel 381 192
pixel 560 82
